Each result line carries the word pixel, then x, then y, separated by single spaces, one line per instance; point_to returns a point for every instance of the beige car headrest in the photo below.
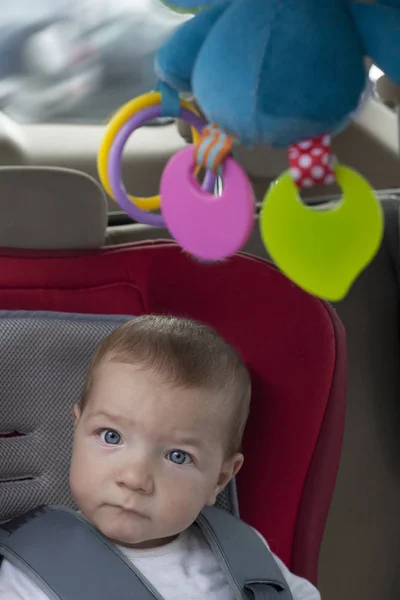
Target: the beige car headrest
pixel 50 208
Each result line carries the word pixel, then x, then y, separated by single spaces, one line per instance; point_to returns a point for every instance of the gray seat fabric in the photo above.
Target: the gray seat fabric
pixel 44 357
pixel 50 208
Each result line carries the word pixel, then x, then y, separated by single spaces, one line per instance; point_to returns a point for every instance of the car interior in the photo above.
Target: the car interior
pixel 68 249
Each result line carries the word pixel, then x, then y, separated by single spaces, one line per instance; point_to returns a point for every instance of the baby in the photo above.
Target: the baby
pixel 157 437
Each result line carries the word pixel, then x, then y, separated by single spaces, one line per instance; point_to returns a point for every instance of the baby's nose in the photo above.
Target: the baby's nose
pixel 137 476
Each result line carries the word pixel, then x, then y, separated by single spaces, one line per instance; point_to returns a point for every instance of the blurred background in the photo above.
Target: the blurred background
pixel 77 61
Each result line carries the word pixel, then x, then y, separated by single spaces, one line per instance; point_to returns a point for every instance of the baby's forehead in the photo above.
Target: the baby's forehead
pixel 136 386
pixel 113 371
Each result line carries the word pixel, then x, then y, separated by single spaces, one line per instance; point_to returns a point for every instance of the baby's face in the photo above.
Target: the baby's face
pixel 147 457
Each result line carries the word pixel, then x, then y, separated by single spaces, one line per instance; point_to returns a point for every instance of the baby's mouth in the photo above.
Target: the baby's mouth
pixel 133 512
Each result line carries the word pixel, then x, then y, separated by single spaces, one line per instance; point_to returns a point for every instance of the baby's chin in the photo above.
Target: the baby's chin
pixel 134 537
pixel 127 531
pixel 120 530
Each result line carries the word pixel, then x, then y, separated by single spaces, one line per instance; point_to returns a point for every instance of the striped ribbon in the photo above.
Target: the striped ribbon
pixel 213 147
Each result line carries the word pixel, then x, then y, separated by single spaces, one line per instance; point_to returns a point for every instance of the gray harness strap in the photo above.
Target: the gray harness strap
pixel 69 559
pixel 247 562
pixel 85 565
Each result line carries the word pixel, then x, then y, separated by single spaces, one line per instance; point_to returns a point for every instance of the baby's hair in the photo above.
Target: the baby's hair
pixel 185 353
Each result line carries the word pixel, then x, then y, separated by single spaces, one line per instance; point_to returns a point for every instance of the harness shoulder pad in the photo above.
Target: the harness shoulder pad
pixel 247 562
pixel 52 544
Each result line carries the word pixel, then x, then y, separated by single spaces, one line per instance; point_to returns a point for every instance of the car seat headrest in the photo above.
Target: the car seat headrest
pixel 50 209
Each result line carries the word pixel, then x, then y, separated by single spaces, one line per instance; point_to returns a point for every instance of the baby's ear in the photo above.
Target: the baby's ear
pixel 230 469
pixel 76 414
pixel 378 24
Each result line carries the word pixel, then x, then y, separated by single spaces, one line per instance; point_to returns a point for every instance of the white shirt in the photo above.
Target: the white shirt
pixel 184 569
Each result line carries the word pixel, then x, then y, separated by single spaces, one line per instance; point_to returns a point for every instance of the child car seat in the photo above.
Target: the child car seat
pixel 293 343
pixel 368 561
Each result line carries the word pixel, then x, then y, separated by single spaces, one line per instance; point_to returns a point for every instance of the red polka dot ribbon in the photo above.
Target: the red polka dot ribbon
pixel 312 162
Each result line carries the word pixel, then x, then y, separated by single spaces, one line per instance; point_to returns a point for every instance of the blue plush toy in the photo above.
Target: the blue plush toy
pixel 279 71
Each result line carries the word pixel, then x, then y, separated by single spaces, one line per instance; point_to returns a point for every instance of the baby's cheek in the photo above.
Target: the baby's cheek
pixel 82 482
pixel 187 499
pixel 76 482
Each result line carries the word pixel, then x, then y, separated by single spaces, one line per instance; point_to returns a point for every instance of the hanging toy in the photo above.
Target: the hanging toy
pixel 284 74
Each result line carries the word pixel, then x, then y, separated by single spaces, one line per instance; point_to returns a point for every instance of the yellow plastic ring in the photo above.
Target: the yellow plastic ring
pixel 123 115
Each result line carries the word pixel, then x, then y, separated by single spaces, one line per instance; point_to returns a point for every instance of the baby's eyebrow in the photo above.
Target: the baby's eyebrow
pixel 102 414
pixel 196 442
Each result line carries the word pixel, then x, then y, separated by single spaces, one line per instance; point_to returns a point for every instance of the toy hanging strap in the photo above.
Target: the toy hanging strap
pixel 213 147
pixel 312 162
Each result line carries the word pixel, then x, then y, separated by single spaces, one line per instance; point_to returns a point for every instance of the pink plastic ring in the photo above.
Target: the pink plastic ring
pixel 208 227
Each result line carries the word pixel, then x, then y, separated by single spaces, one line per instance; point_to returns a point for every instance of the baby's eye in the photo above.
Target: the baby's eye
pixel 111 437
pixel 179 457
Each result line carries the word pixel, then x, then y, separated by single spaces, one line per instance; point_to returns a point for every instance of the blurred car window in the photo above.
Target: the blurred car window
pixel 77 61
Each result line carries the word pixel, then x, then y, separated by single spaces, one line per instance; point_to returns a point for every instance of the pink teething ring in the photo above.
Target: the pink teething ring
pixel 208 227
